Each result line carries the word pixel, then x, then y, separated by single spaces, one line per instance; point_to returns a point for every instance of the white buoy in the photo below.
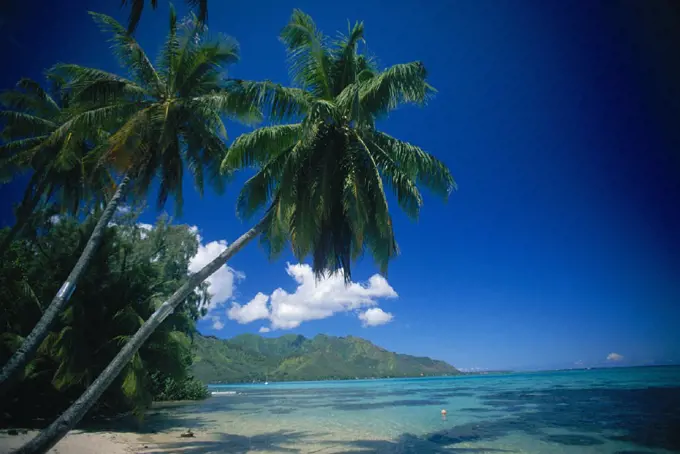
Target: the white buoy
pixel 443 412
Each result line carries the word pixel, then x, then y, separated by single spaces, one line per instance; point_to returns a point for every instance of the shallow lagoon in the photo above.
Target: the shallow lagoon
pixel 625 410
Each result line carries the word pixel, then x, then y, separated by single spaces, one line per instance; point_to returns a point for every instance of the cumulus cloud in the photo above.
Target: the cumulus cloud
pixel 614 357
pixel 217 322
pixel 256 309
pixel 313 300
pixel 375 316
pixel 221 283
pixel 264 329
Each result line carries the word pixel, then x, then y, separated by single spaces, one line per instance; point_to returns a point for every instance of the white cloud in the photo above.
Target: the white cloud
pixel 144 226
pixel 221 283
pixel 123 209
pixel 312 300
pixel 256 309
pixel 55 219
pixel 264 329
pixel 217 322
pixel 375 316
pixel 614 357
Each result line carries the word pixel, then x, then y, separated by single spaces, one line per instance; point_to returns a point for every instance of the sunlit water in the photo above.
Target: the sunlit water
pixel 632 410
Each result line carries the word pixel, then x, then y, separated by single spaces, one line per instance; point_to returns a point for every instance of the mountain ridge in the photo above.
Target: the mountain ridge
pixel 292 357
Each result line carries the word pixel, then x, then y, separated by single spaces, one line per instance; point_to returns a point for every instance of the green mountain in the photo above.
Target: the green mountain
pixel 249 357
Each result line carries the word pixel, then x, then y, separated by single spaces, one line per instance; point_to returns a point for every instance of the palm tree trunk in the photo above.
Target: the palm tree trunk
pixel 60 427
pixel 30 345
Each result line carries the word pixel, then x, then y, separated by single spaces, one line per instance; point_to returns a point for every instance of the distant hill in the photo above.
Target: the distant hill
pixel 249 357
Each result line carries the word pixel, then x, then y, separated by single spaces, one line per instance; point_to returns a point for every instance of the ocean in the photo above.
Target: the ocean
pixel 622 410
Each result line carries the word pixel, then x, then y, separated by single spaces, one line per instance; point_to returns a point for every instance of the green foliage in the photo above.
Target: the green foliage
pixel 163 118
pixel 133 271
pixel 324 176
pixel 60 169
pixel 248 357
pixel 170 389
pixel 137 6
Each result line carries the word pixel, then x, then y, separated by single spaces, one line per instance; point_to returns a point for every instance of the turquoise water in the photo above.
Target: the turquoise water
pixel 631 410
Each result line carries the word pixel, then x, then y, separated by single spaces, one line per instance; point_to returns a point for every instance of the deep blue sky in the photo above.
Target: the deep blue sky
pixel 561 124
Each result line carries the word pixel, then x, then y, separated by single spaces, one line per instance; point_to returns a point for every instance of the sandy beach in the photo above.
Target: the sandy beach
pixel 81 442
pixel 78 442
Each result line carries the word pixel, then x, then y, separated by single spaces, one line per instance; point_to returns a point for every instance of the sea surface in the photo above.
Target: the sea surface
pixel 622 410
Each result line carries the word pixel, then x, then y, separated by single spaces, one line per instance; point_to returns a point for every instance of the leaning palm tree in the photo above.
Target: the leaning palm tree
pixel 61 170
pixel 161 121
pixel 321 178
pixel 324 176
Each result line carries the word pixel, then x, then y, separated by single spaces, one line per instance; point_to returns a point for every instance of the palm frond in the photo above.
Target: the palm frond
pixel 92 85
pixel 260 146
pixel 345 65
pixel 276 101
pixel 22 125
pixel 399 84
pixel 169 54
pixel 9 148
pixel 170 173
pixel 308 55
pixel 92 119
pixel 29 97
pixel 418 164
pixel 258 191
pixel 137 8
pixel 226 102
pixel 208 60
pixel 403 184
pixel 130 53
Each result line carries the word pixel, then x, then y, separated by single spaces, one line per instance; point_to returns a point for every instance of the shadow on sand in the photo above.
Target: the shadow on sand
pixel 236 444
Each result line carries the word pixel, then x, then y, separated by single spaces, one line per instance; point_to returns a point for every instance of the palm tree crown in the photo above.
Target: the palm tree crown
pixel 61 169
pixel 323 177
pixel 162 117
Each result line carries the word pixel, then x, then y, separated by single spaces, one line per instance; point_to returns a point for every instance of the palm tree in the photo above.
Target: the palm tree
pixel 161 121
pixel 328 168
pixel 31 114
pixel 323 176
pixel 137 6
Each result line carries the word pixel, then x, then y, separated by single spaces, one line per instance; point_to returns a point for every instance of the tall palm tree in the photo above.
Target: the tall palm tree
pixel 63 170
pixel 161 121
pixel 335 148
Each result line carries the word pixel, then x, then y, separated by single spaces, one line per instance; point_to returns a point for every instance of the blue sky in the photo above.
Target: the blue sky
pixel 559 122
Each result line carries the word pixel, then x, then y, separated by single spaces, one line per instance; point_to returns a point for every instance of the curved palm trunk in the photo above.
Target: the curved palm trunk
pixel 28 348
pixel 60 427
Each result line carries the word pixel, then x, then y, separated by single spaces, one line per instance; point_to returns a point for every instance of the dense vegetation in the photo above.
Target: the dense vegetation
pixel 249 357
pixel 132 271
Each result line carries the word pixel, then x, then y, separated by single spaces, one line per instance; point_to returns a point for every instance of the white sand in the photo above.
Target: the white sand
pixel 78 442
